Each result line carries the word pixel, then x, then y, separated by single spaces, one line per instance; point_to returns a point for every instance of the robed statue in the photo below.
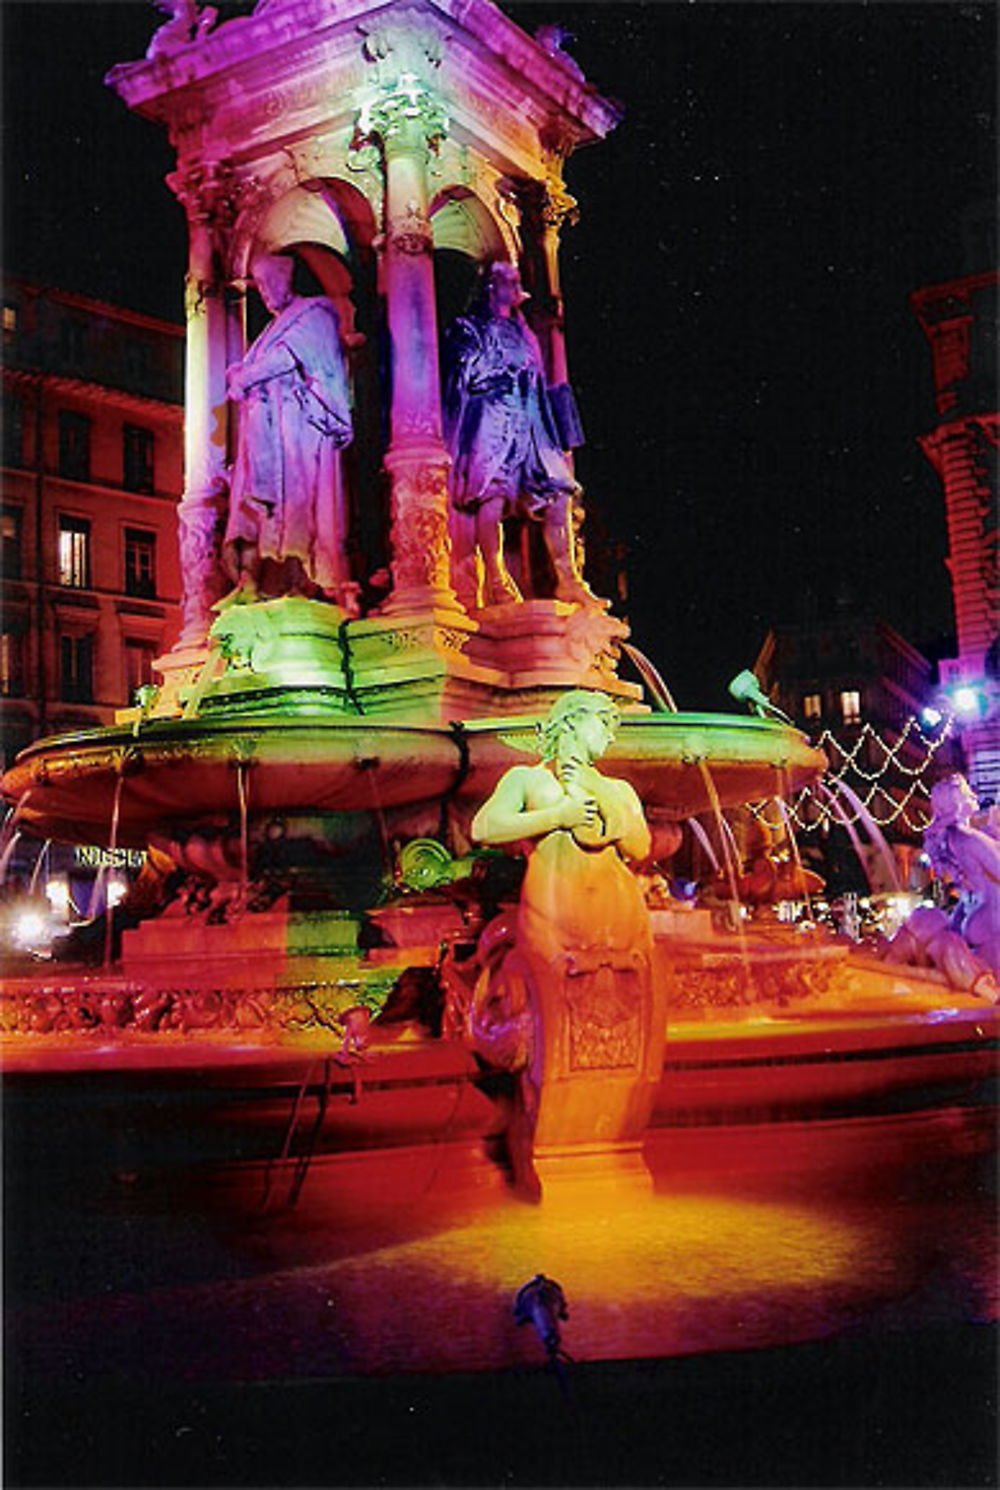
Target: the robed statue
pixel 505 447
pixel 286 527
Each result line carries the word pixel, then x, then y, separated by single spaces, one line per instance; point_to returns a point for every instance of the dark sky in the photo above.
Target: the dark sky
pixel 751 379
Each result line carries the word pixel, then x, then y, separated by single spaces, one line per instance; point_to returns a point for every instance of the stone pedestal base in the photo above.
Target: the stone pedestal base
pixel 592 1179
pixel 550 644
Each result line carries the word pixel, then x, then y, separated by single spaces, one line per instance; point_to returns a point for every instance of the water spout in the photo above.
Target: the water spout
pixel 658 690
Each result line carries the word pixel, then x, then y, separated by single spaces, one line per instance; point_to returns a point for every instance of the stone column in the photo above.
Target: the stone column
pixel 545 206
pixel 201 513
pixel 406 122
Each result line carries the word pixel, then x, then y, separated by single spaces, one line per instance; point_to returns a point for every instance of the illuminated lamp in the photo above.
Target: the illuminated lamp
pixel 968 701
pixel 931 717
pixel 29 928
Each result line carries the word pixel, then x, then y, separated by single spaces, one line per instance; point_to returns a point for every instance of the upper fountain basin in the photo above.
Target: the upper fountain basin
pixel 184 771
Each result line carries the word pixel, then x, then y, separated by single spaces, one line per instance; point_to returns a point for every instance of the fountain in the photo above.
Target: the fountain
pixel 361 668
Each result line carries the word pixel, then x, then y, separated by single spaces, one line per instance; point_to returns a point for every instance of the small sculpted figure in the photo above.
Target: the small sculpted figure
pixel 964 945
pixel 571 994
pixel 187 23
pixel 505 448
pixel 959 848
pixel 286 501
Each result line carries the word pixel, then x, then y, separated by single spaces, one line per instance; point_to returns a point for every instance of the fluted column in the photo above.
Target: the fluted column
pixel 202 508
pixel 545 207
pixel 405 123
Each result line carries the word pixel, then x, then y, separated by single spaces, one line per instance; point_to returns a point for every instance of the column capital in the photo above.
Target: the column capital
pixel 208 191
pixel 403 116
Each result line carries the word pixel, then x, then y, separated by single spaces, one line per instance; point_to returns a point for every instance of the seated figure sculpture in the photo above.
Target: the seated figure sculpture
pixel 565 993
pixel 964 945
pixel 506 455
pixel 286 501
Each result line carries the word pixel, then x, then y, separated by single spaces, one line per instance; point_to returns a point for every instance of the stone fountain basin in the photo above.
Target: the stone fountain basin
pixel 186 771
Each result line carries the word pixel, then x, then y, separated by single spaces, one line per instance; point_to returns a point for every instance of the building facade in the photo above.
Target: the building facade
pixel 959 320
pixel 92 474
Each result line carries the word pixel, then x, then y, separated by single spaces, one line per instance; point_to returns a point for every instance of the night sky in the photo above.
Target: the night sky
pixel 750 376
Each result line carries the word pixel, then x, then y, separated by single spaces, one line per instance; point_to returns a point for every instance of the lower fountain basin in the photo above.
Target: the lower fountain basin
pixel 183 771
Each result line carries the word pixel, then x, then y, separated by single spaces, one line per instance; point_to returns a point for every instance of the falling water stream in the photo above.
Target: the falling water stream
pixel 731 867
pixel 42 858
pixel 242 766
pixel 112 845
pixel 839 811
pixel 786 815
pixel 874 833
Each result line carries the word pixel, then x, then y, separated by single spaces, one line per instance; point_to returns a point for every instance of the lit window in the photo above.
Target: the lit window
pixel 9 318
pixel 140 562
pixel 74 552
pixel 850 706
pixel 137 458
pixel 138 666
pixel 10 533
pixel 74 446
pixel 77 669
pixel 11 664
pixel 812 706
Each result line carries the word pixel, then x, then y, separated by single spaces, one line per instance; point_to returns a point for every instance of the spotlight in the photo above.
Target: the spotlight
pixel 967 700
pixel 541 1302
pixel 29 929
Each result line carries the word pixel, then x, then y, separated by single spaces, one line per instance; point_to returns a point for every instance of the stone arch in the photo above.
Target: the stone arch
pixel 466 236
pixel 463 223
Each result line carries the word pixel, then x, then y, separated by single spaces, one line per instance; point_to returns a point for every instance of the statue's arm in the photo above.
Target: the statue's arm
pixel 507 817
pixel 260 366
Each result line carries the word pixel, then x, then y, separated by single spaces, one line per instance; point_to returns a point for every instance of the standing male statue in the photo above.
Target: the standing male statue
pixel 504 445
pixel 286 528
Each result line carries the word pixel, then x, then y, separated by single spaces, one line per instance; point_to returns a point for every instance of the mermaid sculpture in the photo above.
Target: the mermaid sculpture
pixel 963 845
pixel 566 992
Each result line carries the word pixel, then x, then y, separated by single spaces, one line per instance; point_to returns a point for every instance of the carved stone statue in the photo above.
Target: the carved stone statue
pixel 572 1002
pixel 963 846
pixel 286 500
pixel 188 22
pixel 505 448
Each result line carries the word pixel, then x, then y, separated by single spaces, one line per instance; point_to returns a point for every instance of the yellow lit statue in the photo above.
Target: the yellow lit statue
pixel 566 994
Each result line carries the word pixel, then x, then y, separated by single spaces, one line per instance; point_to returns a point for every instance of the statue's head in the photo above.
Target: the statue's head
pixel 580 723
pixel 272 274
pixel 498 290
pixel 953 800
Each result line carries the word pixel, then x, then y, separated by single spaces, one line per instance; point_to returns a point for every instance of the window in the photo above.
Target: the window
pixel 137 363
pixel 13 429
pixel 137 458
pixel 9 319
pixel 73 338
pixel 74 552
pixel 76 655
pixel 138 666
pixel 11 664
pixel 812 706
pixel 74 445
pixel 850 706
pixel 140 562
pixel 10 532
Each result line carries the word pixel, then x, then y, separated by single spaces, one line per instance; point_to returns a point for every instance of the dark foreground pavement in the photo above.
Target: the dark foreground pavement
pixel 905 1409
